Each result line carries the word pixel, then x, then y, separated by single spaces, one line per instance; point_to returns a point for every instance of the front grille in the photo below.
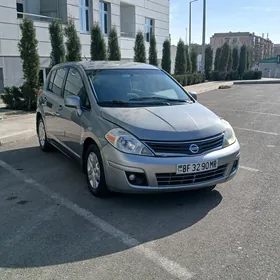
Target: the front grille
pixel 183 148
pixel 171 179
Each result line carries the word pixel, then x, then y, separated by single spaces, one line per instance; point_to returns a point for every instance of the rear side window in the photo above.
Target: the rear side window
pixel 50 84
pixel 58 81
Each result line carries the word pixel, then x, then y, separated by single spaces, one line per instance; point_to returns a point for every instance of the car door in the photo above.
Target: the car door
pixel 69 117
pixel 53 102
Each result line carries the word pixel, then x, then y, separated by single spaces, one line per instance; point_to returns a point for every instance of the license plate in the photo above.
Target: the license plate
pixel 197 167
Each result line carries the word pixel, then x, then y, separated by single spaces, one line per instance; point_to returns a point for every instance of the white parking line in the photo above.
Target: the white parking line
pixel 257 131
pixel 254 112
pixel 170 266
pixel 17 133
pixel 248 168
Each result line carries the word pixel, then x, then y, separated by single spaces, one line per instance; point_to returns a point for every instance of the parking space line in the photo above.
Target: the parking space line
pixel 257 131
pixel 168 265
pixel 17 133
pixel 251 112
pixel 248 168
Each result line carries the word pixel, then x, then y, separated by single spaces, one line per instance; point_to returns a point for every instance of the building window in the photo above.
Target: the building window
pixel 128 21
pixel 84 15
pixel 149 28
pixel 19 10
pixel 104 17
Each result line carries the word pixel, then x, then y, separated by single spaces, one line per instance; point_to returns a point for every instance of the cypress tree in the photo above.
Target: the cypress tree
pixel 139 48
pixel 235 59
pixel 242 61
pixel 57 44
pixel 153 51
pixel 97 44
pixel 224 57
pixel 166 56
pixel 114 52
pixel 229 66
pixel 208 61
pixel 73 44
pixel 28 49
pixel 217 59
pixel 180 59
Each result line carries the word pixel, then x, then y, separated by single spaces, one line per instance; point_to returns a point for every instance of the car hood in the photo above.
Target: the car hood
pixel 166 123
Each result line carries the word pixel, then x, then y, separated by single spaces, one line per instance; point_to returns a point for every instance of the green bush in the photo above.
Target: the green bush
pixel 189 79
pixel 15 98
pixel 252 75
pixel 234 75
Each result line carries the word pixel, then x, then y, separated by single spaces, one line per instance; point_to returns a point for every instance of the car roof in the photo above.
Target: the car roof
pixel 102 65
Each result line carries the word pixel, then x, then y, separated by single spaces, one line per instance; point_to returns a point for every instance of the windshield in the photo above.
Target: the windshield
pixel 133 86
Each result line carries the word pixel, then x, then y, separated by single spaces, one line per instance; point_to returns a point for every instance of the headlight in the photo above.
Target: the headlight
pixel 127 143
pixel 229 134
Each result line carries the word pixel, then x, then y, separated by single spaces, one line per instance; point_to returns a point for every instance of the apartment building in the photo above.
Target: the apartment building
pixel 260 47
pixel 129 16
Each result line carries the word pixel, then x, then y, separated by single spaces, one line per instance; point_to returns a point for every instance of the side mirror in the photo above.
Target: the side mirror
pixel 73 102
pixel 194 95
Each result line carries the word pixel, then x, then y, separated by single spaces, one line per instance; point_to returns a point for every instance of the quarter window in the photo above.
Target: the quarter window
pixel 149 28
pixel 74 86
pixel 50 85
pixel 104 17
pixel 84 15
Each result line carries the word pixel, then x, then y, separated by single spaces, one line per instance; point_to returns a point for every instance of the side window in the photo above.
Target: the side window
pixel 74 86
pixel 50 85
pixel 58 81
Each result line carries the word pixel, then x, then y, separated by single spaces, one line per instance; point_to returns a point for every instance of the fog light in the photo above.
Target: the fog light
pixel 137 179
pixel 131 177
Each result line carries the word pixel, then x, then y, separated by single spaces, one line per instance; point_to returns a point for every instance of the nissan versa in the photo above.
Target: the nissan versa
pixel 133 128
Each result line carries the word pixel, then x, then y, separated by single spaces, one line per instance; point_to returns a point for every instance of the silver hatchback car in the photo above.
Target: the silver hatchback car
pixel 133 128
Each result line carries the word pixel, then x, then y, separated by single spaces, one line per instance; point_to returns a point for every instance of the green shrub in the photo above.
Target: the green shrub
pixel 15 98
pixel 248 75
pixel 232 75
pixel 257 75
pixel 189 79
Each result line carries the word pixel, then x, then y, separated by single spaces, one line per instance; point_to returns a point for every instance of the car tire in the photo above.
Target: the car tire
pixel 95 172
pixel 44 143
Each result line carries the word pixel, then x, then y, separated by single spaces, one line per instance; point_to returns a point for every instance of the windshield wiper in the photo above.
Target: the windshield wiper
pixel 160 99
pixel 117 102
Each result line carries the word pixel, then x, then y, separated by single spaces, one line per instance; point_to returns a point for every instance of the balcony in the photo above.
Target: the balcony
pixel 42 10
pixel 127 15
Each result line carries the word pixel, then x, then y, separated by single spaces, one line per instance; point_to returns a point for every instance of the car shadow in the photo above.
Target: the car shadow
pixel 65 237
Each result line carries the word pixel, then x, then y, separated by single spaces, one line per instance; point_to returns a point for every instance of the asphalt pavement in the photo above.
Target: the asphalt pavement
pixel 51 227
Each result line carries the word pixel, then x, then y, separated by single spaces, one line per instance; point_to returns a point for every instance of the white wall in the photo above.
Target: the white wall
pixel 10 32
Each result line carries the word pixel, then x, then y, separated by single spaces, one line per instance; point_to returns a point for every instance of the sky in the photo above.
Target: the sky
pixel 259 16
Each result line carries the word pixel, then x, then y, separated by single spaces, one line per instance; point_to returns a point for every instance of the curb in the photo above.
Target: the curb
pixel 256 82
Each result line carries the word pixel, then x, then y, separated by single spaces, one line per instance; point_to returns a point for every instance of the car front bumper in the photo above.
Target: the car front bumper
pixel 118 164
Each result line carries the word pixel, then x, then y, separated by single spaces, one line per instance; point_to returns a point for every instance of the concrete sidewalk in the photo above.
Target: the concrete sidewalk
pixel 17 128
pixel 209 86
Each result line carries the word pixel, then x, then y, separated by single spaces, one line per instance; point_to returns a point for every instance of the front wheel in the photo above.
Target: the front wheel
pixel 95 172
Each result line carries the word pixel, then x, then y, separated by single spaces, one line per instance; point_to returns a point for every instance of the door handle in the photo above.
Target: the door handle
pixel 60 107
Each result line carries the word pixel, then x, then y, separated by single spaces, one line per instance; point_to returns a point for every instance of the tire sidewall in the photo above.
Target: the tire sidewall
pixel 102 189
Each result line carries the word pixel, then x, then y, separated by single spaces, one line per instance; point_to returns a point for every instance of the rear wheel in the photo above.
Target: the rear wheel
pixel 95 172
pixel 42 137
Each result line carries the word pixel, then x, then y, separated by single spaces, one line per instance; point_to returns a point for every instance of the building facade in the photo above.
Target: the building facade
pixel 259 47
pixel 129 16
pixel 276 50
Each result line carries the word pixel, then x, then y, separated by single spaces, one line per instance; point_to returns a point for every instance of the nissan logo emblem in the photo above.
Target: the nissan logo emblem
pixel 194 148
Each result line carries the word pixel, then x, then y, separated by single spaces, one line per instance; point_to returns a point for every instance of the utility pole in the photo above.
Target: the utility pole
pixel 190 21
pixel 203 37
